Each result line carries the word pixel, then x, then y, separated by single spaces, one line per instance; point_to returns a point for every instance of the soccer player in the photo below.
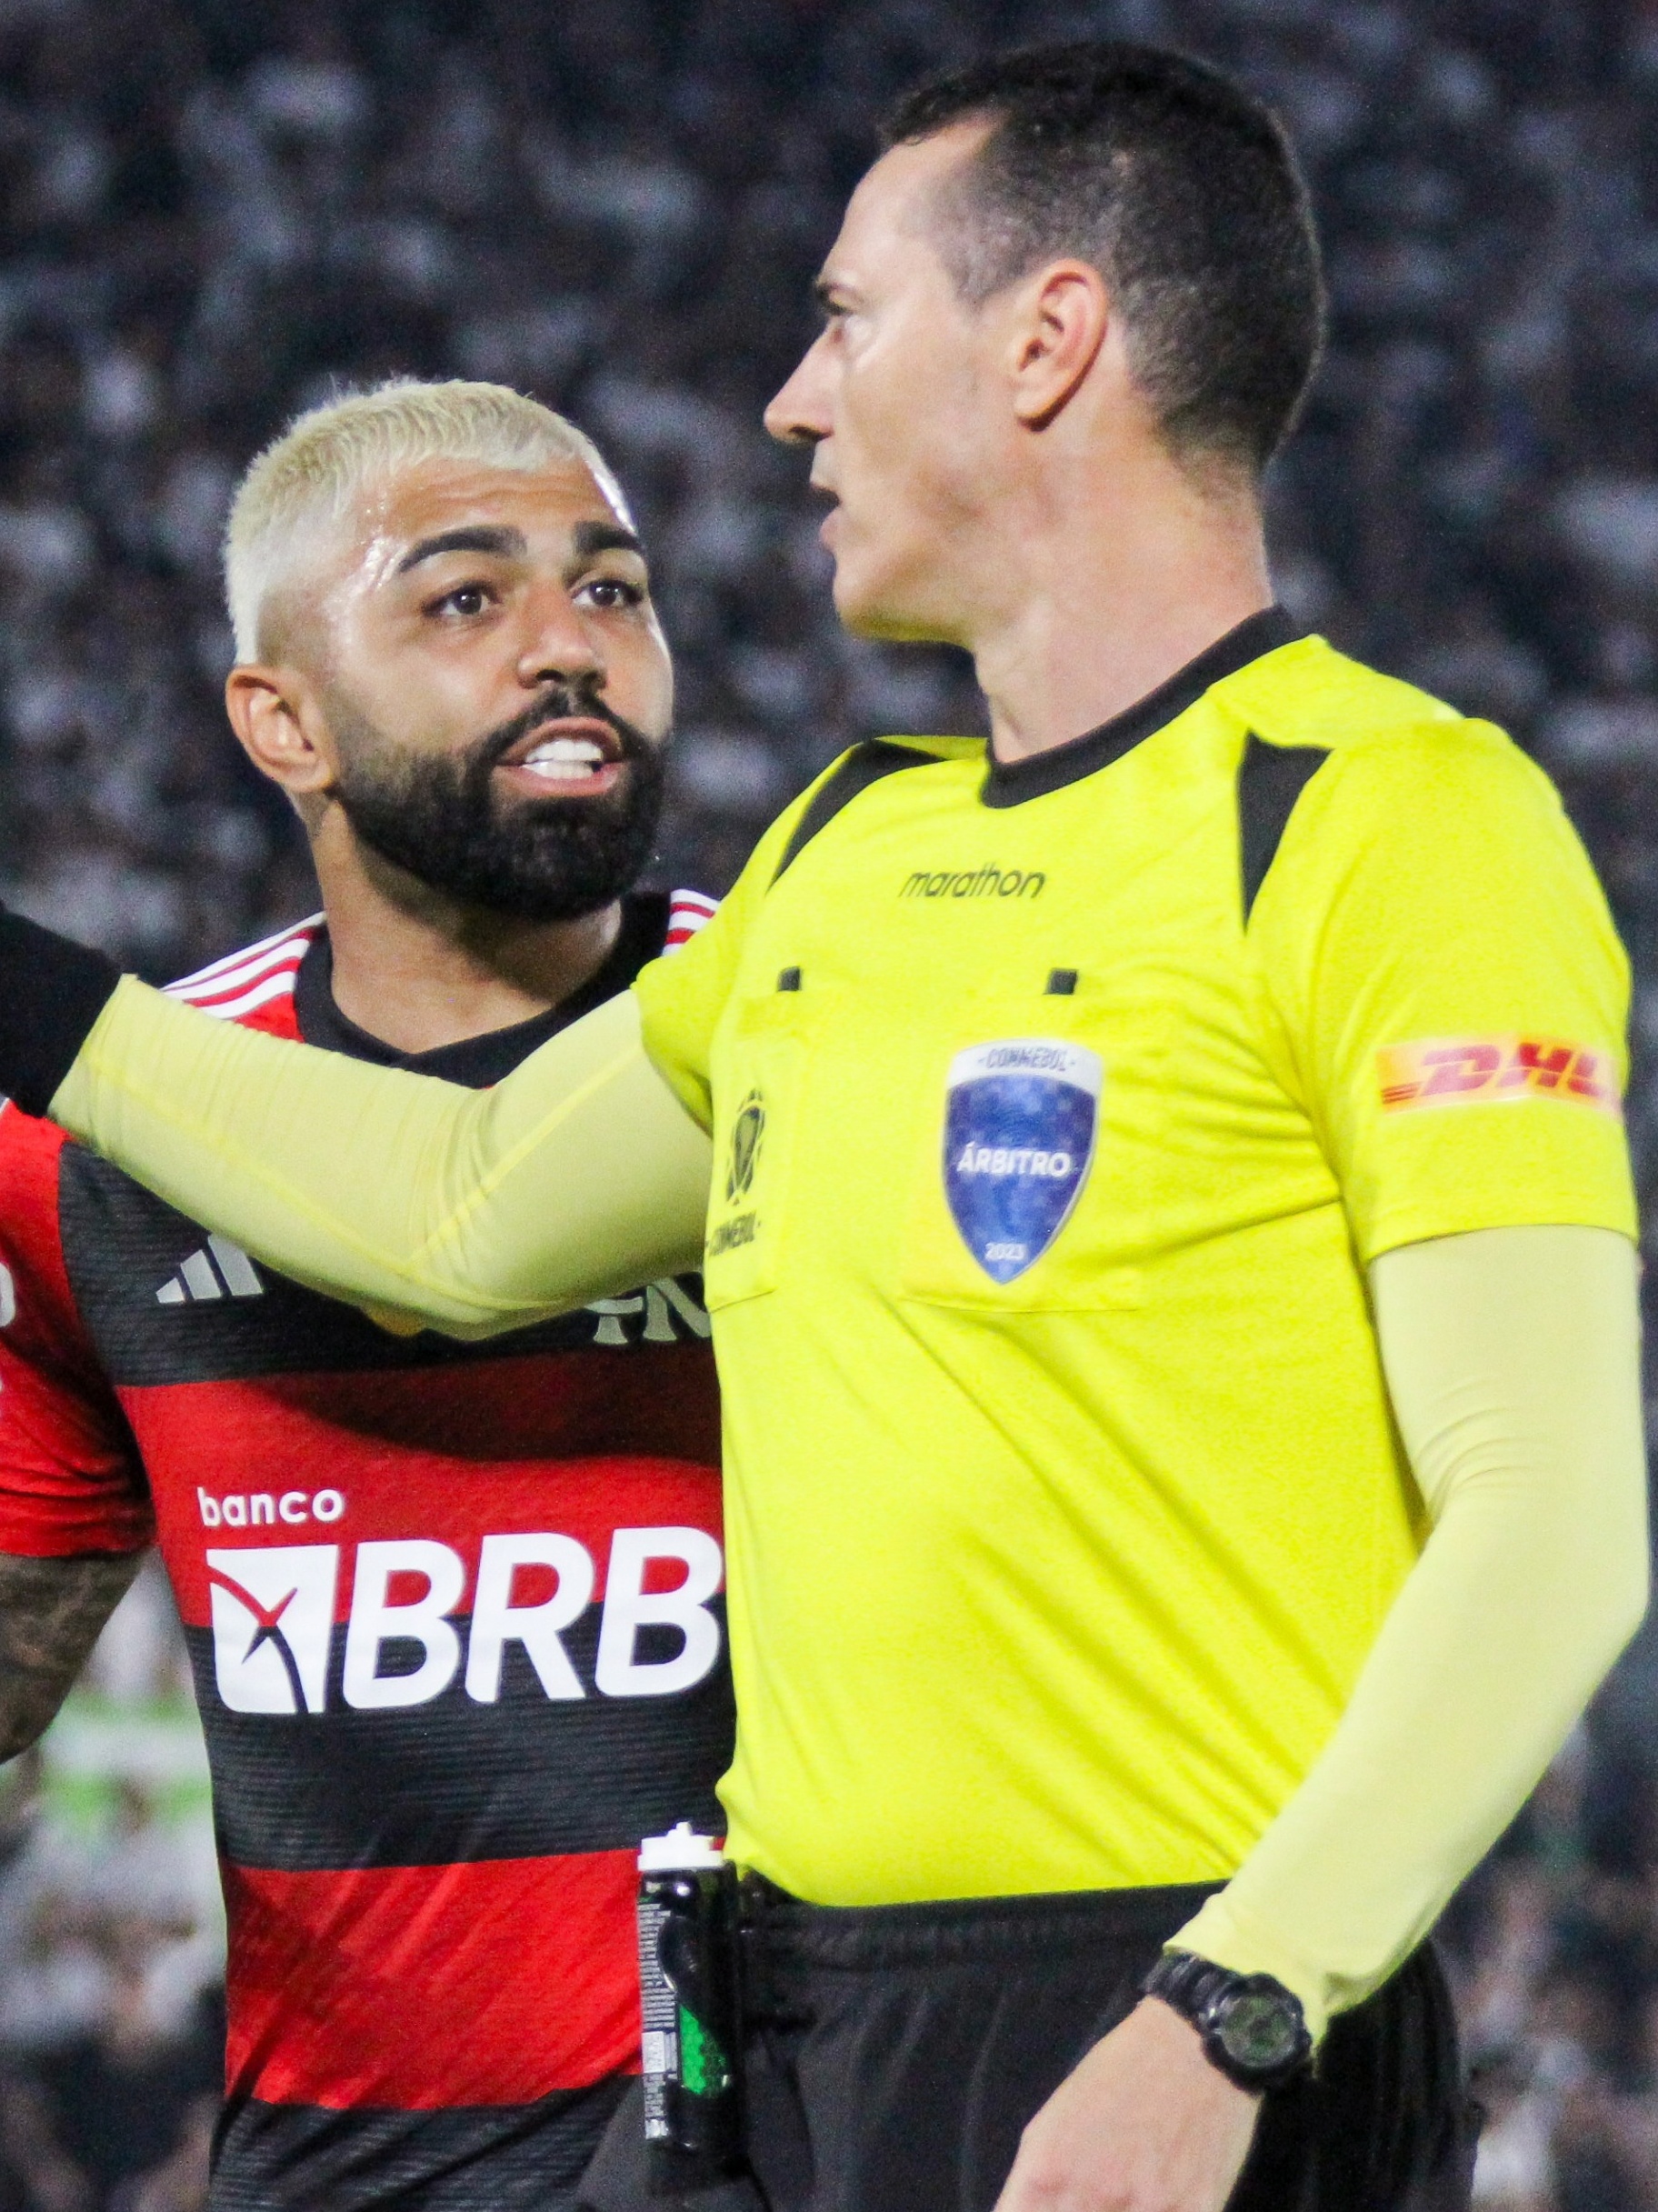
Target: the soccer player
pixel 1170 1240
pixel 450 1612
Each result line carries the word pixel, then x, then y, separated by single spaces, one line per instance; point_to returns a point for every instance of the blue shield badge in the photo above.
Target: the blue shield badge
pixel 1019 1135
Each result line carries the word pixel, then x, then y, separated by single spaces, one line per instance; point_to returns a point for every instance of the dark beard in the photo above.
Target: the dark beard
pixel 535 860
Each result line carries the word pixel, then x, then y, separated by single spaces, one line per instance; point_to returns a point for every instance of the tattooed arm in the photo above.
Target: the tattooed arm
pixel 51 1611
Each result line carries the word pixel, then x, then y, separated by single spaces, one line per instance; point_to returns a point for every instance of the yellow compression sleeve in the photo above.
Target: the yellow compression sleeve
pixel 1512 1359
pixel 581 1175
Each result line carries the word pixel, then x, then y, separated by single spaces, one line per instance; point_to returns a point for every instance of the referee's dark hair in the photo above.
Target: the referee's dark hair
pixel 1180 187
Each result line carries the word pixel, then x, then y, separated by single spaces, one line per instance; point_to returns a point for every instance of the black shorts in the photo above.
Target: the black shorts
pixel 893 2055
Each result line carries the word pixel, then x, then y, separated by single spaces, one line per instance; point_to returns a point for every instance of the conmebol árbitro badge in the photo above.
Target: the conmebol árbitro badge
pixel 1019 1135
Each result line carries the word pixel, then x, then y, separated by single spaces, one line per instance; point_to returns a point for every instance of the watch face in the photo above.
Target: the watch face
pixel 1258 2030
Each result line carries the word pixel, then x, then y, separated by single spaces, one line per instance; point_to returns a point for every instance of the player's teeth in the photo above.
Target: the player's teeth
pixel 565 758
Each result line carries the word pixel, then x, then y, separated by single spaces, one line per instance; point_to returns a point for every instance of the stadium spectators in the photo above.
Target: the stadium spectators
pixel 211 213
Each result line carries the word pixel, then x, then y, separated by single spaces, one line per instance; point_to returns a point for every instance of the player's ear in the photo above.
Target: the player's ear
pixel 1059 318
pixel 270 710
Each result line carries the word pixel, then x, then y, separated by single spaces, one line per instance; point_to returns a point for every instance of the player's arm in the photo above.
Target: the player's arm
pixel 75 1513
pixel 51 1613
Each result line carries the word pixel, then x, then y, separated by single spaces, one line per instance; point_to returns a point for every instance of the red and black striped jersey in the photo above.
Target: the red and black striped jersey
pixel 455 1621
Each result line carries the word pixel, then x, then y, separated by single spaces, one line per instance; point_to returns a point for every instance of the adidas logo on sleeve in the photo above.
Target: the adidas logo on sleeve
pixel 218 1269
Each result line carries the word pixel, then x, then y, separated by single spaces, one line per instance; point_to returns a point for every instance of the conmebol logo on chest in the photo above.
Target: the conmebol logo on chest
pixel 1019 1124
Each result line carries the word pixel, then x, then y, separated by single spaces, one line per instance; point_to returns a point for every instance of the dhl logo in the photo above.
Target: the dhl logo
pixel 1486 1070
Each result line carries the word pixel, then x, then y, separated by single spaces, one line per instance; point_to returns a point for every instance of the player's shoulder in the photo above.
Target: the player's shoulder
pixel 254 984
pixel 30 1151
pixel 688 912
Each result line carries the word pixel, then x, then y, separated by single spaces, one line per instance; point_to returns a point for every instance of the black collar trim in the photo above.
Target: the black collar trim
pixel 478 1061
pixel 1009 783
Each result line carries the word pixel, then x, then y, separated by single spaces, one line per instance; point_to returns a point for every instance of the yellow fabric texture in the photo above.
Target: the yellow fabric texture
pixel 1066 1581
pixel 427 1203
pixel 1513 1364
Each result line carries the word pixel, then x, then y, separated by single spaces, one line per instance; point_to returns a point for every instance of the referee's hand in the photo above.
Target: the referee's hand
pixel 1145 2124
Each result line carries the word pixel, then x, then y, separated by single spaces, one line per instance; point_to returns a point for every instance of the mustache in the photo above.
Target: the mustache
pixel 558 702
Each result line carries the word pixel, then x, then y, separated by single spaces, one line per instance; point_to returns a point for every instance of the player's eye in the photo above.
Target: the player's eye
pixel 465 600
pixel 610 592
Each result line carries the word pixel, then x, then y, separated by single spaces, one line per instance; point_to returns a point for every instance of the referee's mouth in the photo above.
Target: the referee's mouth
pixel 831 499
pixel 577 757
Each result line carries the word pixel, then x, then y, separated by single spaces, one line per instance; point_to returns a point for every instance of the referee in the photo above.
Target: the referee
pixel 1171 1238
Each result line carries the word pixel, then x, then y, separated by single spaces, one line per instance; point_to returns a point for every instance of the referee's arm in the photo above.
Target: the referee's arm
pixel 1428 896
pixel 1511 1356
pixel 429 1204
pixel 1450 999
pixel 584 1172
pixel 1513 1360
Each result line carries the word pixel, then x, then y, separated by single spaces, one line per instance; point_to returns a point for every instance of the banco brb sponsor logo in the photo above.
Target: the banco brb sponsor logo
pixel 1019 1137
pixel 273 1616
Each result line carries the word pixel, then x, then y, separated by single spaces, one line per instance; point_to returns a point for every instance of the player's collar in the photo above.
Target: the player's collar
pixel 1009 783
pixel 478 1061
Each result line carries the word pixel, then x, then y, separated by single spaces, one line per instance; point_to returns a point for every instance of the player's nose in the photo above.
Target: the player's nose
pixel 557 645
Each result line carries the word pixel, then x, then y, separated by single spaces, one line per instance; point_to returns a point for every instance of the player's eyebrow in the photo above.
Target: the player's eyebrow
pixel 591 537
pixel 470 538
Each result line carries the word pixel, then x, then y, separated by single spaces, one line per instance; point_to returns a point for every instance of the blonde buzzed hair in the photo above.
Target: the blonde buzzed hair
pixel 307 483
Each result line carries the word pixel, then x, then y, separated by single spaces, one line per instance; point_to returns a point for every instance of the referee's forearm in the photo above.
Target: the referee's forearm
pixel 578 1176
pixel 1512 1358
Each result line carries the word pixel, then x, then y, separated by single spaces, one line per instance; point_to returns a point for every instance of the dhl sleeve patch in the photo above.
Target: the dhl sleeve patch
pixel 1489 1070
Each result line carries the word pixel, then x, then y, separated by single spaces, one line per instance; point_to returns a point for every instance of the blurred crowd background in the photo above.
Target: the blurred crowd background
pixel 212 215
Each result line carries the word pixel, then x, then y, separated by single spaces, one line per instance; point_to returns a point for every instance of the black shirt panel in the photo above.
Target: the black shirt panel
pixel 1270 779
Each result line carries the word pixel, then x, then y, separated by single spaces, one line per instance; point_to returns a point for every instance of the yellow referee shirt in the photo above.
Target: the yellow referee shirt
pixel 1060 1107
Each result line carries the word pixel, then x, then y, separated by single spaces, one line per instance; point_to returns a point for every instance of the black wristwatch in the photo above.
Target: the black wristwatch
pixel 1253 2027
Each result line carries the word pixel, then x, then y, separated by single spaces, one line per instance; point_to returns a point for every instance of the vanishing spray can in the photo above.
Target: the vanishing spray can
pixel 689 1996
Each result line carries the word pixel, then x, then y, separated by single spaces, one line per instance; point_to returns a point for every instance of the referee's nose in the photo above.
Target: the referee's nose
pixel 799 414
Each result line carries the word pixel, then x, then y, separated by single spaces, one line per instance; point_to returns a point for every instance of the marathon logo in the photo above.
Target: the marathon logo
pixel 1491 1070
pixel 1019 1137
pixel 273 1616
pixel 988 882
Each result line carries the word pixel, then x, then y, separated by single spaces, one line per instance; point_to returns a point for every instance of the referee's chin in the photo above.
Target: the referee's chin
pixel 894 613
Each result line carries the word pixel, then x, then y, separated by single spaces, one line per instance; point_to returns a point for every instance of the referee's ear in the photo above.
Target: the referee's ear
pixel 1060 329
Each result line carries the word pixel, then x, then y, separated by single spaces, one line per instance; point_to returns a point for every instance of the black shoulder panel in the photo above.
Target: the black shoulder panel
pixel 1271 778
pixel 866 764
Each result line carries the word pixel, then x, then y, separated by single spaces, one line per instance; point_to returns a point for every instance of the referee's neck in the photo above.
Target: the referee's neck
pixel 1127 584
